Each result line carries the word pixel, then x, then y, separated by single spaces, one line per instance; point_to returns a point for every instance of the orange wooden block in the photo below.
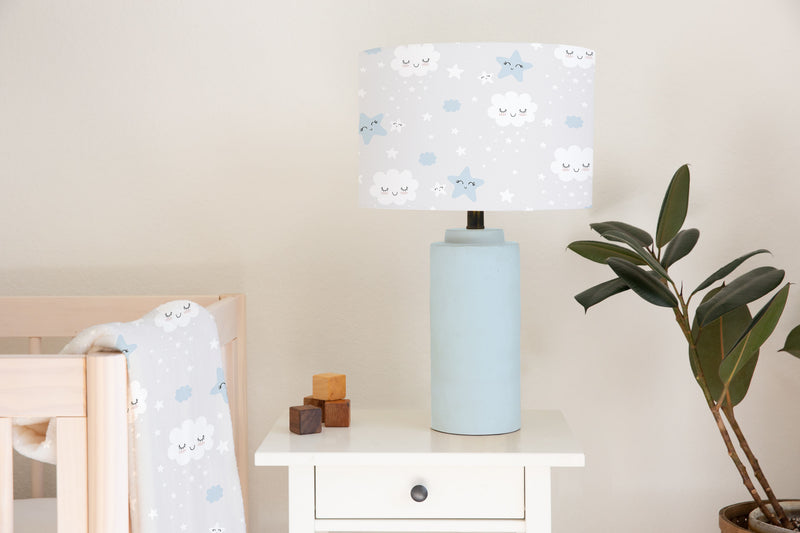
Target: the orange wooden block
pixel 305 419
pixel 329 386
pixel 337 414
pixel 310 400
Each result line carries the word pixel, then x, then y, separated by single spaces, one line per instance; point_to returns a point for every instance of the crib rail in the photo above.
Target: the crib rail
pixel 43 385
pixel 66 316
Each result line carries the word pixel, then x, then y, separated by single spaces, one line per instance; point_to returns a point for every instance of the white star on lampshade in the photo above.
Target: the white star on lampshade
pixel 455 72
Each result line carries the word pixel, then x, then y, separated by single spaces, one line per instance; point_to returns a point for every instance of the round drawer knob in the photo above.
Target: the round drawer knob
pixel 419 493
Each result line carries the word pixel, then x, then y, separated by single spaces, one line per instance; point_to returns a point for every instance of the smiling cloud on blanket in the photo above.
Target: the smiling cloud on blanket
pixel 172 315
pixel 137 396
pixel 190 440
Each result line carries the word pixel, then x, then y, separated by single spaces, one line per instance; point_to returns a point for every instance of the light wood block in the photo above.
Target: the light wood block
pixel 337 414
pixel 305 419
pixel 310 400
pixel 329 386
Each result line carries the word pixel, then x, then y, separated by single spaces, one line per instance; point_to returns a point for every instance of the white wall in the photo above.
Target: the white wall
pixel 207 146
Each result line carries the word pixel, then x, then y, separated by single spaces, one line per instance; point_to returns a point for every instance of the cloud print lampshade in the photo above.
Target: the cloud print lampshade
pixel 475 127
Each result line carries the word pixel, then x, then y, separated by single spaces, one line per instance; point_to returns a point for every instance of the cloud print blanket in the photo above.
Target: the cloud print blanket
pixel 181 467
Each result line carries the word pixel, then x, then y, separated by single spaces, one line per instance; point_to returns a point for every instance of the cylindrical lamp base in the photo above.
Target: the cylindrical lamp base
pixel 475 333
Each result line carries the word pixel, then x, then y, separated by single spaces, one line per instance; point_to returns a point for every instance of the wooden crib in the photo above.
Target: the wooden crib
pixel 87 394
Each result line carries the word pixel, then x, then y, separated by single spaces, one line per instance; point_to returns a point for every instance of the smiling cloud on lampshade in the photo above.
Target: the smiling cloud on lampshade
pixel 512 109
pixel 394 187
pixel 415 60
pixel 575 56
pixel 572 163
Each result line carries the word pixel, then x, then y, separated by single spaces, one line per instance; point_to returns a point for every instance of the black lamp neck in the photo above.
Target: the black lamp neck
pixel 475 220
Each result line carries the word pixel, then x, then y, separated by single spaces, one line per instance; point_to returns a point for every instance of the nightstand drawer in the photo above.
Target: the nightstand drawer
pixel 443 491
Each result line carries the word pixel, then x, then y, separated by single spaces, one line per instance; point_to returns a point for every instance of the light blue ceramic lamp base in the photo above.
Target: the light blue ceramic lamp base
pixel 475 333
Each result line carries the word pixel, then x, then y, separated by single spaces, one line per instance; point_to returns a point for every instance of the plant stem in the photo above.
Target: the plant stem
pixel 748 483
pixel 751 458
pixel 681 316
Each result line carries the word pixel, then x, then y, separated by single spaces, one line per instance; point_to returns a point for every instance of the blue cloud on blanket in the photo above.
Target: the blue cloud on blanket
pixel 214 494
pixel 220 387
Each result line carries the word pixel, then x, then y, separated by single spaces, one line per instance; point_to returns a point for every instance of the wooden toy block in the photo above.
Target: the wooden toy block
pixel 329 386
pixel 305 419
pixel 310 400
pixel 337 414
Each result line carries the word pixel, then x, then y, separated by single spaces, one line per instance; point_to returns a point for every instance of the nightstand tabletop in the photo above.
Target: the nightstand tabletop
pixel 404 437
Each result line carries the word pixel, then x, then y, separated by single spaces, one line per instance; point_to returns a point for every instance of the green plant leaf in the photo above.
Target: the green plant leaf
pixel 643 283
pixel 714 341
pixel 792 344
pixel 599 252
pixel 651 261
pixel 640 235
pixel 598 293
pixel 743 290
pixel 674 207
pixel 727 269
pixel 680 246
pixel 759 330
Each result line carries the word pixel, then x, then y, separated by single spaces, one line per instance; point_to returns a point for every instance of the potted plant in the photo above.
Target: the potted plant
pixel 722 335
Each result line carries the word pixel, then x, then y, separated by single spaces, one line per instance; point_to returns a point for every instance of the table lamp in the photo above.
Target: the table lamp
pixel 475 127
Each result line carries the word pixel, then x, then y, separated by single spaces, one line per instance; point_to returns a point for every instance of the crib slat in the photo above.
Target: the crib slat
pixel 34 345
pixel 42 385
pixel 6 478
pixel 71 476
pixel 107 431
pixel 37 468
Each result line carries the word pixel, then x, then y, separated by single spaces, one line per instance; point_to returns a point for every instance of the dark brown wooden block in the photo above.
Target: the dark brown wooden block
pixel 310 400
pixel 337 413
pixel 305 419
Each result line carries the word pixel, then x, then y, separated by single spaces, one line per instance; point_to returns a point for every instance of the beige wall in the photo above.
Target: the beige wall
pixel 202 146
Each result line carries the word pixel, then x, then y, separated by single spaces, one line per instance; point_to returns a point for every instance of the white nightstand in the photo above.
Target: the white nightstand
pixel 390 472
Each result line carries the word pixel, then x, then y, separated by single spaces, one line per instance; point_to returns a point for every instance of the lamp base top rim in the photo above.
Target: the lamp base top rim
pixel 474 236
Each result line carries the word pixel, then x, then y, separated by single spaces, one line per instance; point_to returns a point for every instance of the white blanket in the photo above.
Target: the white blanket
pixel 181 467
